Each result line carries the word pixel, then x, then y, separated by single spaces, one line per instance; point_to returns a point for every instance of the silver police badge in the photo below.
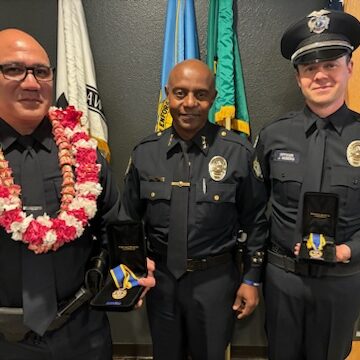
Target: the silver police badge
pixel 319 21
pixel 217 168
pixel 353 153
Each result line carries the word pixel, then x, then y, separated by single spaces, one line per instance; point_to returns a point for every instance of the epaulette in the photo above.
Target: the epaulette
pixel 287 116
pixel 150 138
pixel 229 135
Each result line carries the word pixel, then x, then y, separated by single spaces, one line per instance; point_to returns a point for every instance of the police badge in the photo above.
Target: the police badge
pixel 319 21
pixel 353 153
pixel 217 168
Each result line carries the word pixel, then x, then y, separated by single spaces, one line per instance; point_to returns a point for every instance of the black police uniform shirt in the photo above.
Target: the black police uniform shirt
pixel 217 209
pixel 70 260
pixel 281 155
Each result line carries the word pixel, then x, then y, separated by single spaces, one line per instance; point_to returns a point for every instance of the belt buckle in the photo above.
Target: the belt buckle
pixel 196 264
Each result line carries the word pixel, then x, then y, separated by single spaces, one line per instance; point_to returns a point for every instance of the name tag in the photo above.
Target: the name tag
pixel 287 156
pixel 32 208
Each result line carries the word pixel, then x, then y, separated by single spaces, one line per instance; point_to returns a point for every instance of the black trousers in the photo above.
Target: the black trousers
pixel 86 336
pixel 310 318
pixel 192 315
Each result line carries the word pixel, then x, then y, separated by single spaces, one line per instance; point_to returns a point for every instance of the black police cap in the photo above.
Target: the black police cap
pixel 321 35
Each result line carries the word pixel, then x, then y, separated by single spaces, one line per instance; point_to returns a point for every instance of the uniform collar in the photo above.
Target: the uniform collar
pixel 42 134
pixel 202 139
pixel 338 119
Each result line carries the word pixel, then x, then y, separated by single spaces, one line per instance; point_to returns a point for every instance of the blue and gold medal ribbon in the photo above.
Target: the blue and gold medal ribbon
pixel 123 277
pixel 316 241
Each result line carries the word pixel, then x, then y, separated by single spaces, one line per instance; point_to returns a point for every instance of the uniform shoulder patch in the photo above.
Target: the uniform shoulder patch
pixel 256 167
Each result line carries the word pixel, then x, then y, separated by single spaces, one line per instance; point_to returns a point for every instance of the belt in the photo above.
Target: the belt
pixel 291 264
pixel 11 319
pixel 199 263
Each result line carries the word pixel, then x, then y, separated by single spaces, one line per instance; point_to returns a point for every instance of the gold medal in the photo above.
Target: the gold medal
pixel 315 254
pixel 353 153
pixel 119 294
pixel 217 168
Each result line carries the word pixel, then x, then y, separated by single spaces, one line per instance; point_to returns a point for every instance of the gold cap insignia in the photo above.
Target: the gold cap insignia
pixel 217 168
pixel 353 153
pixel 319 21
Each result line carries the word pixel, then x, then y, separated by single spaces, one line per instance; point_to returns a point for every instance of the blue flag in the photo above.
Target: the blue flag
pixel 180 43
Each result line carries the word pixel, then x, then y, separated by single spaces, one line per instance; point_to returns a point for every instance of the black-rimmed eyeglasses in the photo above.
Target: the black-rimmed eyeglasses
pixel 18 72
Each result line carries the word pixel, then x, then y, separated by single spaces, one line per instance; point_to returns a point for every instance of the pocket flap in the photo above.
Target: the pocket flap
pixel 152 190
pixel 216 192
pixel 345 176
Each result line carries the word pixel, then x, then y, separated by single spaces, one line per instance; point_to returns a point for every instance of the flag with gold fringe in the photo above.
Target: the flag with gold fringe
pixel 180 43
pixel 76 81
pixel 223 57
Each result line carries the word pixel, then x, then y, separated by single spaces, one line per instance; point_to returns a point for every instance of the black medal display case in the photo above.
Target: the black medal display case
pixel 127 247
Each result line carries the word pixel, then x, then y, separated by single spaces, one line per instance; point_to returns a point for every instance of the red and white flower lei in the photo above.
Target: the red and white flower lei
pixel 79 190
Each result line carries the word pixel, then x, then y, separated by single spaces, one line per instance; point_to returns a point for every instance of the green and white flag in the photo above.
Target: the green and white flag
pixel 223 57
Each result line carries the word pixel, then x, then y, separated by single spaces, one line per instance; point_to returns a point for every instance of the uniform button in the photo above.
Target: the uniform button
pixel 152 194
pixel 216 197
pixel 223 133
pixel 356 181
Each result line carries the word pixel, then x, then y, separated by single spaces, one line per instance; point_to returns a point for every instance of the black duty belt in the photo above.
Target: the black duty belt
pixel 11 319
pixel 199 263
pixel 291 264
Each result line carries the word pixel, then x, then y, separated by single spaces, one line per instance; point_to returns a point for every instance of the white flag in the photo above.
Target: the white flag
pixel 76 81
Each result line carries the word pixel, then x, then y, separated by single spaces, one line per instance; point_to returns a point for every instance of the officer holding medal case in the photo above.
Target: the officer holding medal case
pixel 309 162
pixel 193 187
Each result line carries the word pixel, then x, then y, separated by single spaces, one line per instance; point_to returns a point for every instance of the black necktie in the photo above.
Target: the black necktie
pixel 314 168
pixel 38 287
pixel 177 240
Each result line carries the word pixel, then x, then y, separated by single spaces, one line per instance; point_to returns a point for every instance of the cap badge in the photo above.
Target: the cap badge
pixel 353 153
pixel 319 21
pixel 217 168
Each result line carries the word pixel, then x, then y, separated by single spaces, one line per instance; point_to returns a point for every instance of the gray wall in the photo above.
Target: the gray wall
pixel 126 38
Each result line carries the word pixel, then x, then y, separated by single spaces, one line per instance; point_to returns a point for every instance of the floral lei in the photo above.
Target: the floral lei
pixel 80 189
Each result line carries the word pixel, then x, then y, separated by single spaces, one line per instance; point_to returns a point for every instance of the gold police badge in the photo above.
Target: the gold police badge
pixel 353 153
pixel 217 168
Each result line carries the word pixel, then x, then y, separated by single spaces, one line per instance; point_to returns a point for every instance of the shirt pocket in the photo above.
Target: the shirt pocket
pixel 345 181
pixel 215 205
pixel 157 196
pixel 286 180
